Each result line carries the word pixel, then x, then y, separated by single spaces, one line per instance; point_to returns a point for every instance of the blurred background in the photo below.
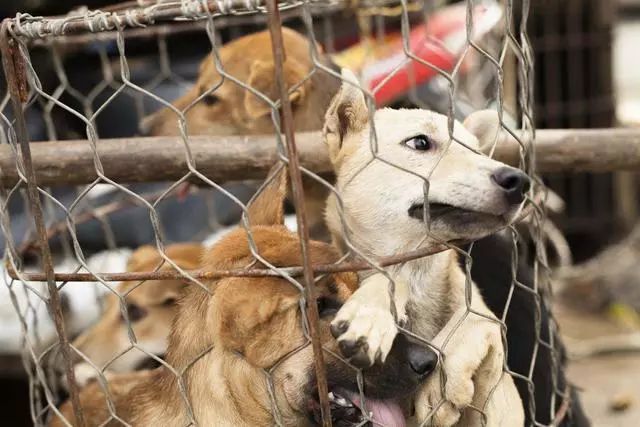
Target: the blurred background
pixel 587 63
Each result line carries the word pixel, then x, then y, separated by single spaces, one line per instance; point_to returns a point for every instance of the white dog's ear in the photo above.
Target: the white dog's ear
pixel 347 114
pixel 484 125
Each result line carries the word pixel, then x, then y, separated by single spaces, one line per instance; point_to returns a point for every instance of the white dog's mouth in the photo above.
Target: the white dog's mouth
pixel 447 212
pixel 454 215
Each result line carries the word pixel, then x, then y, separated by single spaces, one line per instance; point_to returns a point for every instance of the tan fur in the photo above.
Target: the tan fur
pixel 238 111
pixel 375 197
pixel 109 337
pixel 223 342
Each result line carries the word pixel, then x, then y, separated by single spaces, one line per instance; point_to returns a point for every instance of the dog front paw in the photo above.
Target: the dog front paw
pixel 364 326
pixel 471 367
pixel 443 400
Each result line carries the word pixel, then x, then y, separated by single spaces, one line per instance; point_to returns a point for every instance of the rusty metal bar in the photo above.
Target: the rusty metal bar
pixel 14 71
pixel 230 158
pixel 355 265
pixel 139 16
pixel 277 45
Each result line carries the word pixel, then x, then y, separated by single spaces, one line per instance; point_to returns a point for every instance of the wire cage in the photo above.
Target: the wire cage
pixel 573 42
pixel 108 145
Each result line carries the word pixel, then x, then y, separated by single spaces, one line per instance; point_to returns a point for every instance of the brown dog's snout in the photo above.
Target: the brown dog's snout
pixel 513 182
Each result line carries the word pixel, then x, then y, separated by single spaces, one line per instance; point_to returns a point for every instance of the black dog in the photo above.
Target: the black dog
pixel 491 270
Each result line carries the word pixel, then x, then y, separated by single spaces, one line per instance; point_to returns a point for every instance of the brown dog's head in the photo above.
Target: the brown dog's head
pixel 150 307
pixel 254 324
pixel 218 106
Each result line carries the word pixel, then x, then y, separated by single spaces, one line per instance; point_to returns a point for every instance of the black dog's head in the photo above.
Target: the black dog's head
pixel 384 387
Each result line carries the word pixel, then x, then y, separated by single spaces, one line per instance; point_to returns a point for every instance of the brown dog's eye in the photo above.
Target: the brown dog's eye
pixel 169 302
pixel 135 312
pixel 210 99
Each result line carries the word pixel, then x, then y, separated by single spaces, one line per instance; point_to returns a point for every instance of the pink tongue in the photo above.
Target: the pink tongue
pixel 387 413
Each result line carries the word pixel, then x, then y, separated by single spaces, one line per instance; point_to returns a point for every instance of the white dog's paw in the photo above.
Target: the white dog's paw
pixel 365 333
pixel 364 326
pixel 472 364
pixel 84 373
pixel 444 409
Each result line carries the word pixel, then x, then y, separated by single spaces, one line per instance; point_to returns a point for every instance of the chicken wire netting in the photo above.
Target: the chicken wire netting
pixel 120 135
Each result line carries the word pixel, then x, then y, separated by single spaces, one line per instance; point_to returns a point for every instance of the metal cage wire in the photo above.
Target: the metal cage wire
pixel 159 19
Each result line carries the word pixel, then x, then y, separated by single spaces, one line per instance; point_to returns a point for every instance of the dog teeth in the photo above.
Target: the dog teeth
pixel 343 402
pixel 331 396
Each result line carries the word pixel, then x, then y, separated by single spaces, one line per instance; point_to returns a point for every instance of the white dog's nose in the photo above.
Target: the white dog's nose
pixel 513 182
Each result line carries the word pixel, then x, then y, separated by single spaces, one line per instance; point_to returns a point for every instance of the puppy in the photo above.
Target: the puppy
pixel 224 342
pixel 217 105
pixel 150 307
pixel 382 208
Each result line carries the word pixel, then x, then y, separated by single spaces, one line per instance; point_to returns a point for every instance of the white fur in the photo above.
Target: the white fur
pixel 376 195
pixel 84 300
pixel 368 314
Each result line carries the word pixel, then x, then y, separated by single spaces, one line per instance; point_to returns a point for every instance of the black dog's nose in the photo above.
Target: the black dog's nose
pixel 513 182
pixel 422 360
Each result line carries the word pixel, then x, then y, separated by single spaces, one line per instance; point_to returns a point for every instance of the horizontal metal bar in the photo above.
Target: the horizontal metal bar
pixel 137 16
pixel 230 158
pixel 294 271
pixel 356 265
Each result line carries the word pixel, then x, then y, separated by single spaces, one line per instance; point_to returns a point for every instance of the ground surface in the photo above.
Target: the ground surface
pixel 603 379
pixel 606 379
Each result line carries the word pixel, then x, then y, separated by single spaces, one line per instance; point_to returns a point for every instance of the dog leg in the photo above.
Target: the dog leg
pixel 364 326
pixel 471 373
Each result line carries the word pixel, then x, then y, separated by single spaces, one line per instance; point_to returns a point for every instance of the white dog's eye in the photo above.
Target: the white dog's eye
pixel 420 143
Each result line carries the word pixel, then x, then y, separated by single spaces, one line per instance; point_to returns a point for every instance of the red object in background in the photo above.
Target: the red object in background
pixel 439 44
pixel 413 73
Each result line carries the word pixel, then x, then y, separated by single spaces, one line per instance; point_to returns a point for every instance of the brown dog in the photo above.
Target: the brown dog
pixel 225 107
pixel 222 342
pixel 150 306
pixel 220 106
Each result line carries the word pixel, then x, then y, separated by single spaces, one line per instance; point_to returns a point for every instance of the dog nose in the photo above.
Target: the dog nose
pixel 513 182
pixel 422 360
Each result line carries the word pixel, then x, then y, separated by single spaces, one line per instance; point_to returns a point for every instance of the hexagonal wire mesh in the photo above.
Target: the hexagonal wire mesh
pixel 102 76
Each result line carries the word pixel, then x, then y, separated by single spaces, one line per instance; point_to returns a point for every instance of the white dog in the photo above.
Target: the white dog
pixel 382 210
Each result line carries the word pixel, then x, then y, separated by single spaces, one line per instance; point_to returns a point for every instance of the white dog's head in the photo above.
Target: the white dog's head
pixel 469 195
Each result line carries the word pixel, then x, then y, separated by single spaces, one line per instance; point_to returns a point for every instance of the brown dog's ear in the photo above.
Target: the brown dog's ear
pixel 186 255
pixel 258 318
pixel 484 125
pixel 142 257
pixel 267 206
pixel 261 78
pixel 347 113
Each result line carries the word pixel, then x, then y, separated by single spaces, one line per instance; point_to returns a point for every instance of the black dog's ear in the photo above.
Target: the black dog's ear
pixel 348 113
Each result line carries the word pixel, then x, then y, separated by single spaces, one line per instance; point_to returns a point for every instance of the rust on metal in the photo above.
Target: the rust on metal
pixel 277 45
pixel 294 271
pixel 17 83
pixel 14 75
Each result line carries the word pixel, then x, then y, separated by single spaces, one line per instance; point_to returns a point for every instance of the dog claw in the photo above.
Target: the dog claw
pixel 339 328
